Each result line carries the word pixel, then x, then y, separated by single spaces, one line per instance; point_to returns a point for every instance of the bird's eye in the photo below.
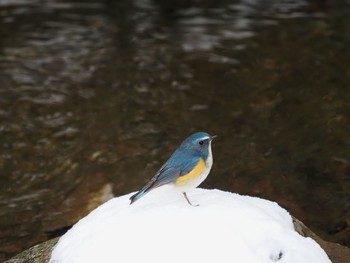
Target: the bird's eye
pixel 201 142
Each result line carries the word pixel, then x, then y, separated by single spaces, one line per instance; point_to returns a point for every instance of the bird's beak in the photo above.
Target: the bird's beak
pixel 213 137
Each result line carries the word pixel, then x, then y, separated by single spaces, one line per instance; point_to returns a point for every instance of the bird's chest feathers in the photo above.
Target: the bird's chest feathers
pixel 196 176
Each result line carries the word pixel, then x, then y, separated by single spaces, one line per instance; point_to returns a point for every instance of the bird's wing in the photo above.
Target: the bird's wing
pixel 171 170
pixel 177 165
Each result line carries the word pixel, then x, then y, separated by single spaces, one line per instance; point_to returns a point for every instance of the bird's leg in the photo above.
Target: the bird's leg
pixel 188 200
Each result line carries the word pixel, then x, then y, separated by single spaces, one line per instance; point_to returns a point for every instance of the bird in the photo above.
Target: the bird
pixel 186 168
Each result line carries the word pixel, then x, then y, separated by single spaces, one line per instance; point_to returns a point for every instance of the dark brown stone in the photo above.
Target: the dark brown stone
pixel 336 252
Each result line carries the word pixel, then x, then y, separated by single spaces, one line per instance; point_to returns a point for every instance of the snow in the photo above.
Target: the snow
pixel 163 227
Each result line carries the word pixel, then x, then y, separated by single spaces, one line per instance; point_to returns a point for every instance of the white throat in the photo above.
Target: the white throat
pixel 209 161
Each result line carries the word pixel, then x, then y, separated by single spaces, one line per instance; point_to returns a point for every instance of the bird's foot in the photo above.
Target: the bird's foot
pixel 188 200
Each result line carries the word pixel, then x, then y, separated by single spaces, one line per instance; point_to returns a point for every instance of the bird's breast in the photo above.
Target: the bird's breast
pixel 192 175
pixel 195 177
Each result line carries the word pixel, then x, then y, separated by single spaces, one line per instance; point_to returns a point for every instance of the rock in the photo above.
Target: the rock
pixel 336 252
pixel 41 253
pixel 37 254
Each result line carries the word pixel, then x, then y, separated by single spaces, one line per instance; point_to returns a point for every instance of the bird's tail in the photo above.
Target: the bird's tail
pixel 137 196
pixel 148 187
pixel 153 183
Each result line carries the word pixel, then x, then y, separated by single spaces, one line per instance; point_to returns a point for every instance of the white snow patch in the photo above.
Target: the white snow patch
pixel 162 227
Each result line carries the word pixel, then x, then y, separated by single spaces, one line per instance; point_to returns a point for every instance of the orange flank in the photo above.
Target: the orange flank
pixel 194 174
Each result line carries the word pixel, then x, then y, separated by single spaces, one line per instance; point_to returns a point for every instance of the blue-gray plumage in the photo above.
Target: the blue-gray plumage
pixel 186 168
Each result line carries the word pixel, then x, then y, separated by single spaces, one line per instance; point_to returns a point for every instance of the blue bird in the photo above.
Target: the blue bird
pixel 186 168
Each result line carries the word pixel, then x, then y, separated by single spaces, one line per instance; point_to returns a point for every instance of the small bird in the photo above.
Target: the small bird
pixel 186 168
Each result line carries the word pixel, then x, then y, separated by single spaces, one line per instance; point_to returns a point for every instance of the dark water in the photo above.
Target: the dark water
pixel 95 95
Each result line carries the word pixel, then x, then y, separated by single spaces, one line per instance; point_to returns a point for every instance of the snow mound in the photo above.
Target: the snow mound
pixel 162 227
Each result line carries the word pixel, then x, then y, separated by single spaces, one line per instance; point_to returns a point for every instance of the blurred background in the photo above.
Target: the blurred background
pixel 95 96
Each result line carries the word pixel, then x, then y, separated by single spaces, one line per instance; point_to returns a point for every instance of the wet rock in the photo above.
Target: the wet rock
pixel 336 252
pixel 96 191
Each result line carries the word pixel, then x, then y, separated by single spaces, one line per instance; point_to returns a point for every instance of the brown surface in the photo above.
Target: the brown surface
pixel 336 252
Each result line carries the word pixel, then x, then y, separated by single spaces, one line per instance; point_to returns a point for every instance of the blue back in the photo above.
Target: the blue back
pixel 185 158
pixel 181 162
